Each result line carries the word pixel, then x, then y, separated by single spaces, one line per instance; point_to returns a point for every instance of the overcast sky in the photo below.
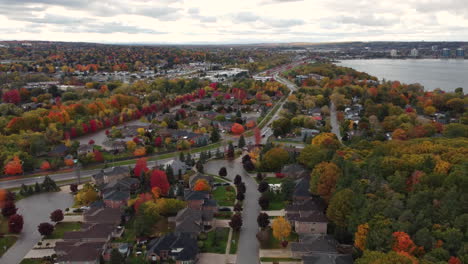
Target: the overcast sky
pixel 233 21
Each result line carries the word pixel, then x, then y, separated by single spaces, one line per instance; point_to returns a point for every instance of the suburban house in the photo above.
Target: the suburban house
pixel 87 245
pixel 116 194
pixel 178 167
pixel 319 249
pixel 58 151
pixel 307 216
pixel 79 252
pixel 179 247
pixel 114 174
pixel 85 149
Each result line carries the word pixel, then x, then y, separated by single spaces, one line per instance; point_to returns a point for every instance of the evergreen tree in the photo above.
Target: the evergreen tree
pixel 230 153
pixel 241 143
pixel 182 156
pixel 214 137
pixel 37 188
pixel 200 167
pixel 170 174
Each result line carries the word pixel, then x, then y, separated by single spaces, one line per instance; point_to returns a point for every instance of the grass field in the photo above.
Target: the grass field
pixel 63 227
pixel 216 241
pixel 6 242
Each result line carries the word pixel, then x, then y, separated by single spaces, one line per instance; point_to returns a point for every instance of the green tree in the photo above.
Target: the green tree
pixel 116 257
pixel 274 159
pixel 241 143
pixel 312 155
pixel 340 207
pixel 214 137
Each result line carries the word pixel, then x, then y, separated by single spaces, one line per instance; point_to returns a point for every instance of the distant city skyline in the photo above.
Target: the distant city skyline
pixel 239 22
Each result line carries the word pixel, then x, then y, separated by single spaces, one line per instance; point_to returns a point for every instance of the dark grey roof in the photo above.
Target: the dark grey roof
pixel 81 252
pixel 188 213
pixel 59 150
pixel 181 246
pixel 311 204
pixel 315 243
pixel 210 202
pixel 321 258
pixel 116 196
pixel 189 226
pixel 195 195
pixel 294 170
pixel 302 187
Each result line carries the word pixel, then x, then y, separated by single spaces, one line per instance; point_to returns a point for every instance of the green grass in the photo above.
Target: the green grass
pixel 6 242
pixel 3 225
pixel 63 227
pixel 224 197
pixel 273 243
pixel 273 180
pixel 129 234
pixel 277 203
pixel 234 242
pixel 279 259
pixel 216 241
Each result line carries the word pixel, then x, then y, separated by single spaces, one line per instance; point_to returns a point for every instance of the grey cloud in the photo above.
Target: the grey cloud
pixel 193 11
pixel 243 17
pixel 367 20
pixel 109 28
pixel 459 7
pixel 285 23
pixel 161 13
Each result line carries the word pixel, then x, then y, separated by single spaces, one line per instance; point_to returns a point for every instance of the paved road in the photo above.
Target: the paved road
pixel 35 210
pixel 70 175
pixel 334 121
pixel 248 247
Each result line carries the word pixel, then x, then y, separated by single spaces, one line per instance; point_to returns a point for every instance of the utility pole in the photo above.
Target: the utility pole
pixel 77 171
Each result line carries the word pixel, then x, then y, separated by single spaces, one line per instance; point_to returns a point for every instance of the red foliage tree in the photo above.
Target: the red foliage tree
pixel 414 179
pixel 454 260
pixel 45 229
pixel 140 167
pixel 158 141
pixel 15 223
pixel 237 129
pixel 9 209
pixel 98 156
pixel 56 216
pixel 45 165
pixel 14 167
pixel 91 142
pixel 159 179
pixel 12 97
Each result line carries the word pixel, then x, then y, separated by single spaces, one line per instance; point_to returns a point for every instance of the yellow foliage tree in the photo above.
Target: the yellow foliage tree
pixel 361 235
pixel 327 140
pixel 141 131
pixel 131 145
pixel 86 195
pixel 281 228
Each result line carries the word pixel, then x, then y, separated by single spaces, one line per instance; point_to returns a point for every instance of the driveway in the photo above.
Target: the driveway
pixel 35 210
pixel 247 251
pixel 334 122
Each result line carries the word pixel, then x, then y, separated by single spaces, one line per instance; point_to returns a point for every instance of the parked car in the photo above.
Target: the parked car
pixel 225 209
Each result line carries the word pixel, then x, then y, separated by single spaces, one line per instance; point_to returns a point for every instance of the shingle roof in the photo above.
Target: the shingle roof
pixel 96 231
pixel 103 215
pixel 181 246
pixel 188 213
pixel 314 243
pixel 195 195
pixel 328 259
pixel 80 252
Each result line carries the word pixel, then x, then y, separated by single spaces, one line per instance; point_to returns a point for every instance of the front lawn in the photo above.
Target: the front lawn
pixel 62 227
pixel 273 243
pixel 3 225
pixel 225 195
pixel 6 242
pixel 128 235
pixel 234 242
pixel 277 202
pixel 223 215
pixel 216 241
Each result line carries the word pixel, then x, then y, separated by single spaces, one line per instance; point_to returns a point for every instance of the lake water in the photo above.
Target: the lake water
pixel 431 73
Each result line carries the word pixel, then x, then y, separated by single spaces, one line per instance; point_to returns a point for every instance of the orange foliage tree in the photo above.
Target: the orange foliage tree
pixel 326 140
pixel 360 236
pixel 399 134
pixel 69 162
pixel 403 243
pixel 201 185
pixel 139 152
pixel 14 166
pixel 237 129
pixel 323 179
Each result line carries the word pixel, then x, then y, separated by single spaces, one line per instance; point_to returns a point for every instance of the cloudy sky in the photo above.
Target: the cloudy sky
pixel 228 21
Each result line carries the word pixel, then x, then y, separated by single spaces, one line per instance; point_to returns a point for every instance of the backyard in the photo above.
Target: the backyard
pixel 224 195
pixel 273 243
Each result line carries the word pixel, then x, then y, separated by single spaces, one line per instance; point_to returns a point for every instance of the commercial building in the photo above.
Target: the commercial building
pixel 446 52
pixel 460 53
pixel 414 53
